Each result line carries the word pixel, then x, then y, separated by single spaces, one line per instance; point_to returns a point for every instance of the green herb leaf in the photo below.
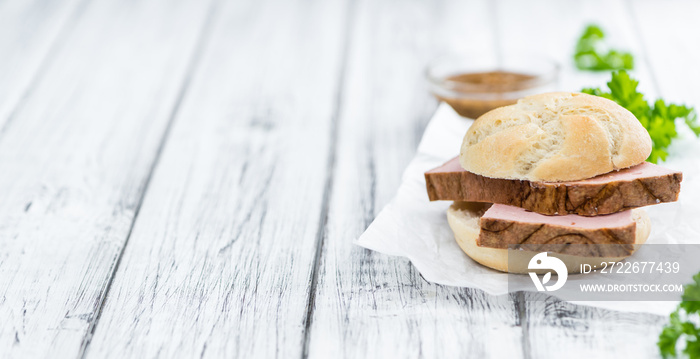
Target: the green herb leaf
pixel 691 296
pixel 591 55
pixel 681 325
pixel 669 336
pixel 659 119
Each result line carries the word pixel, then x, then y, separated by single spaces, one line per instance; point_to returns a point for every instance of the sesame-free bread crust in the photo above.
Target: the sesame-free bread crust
pixel 554 137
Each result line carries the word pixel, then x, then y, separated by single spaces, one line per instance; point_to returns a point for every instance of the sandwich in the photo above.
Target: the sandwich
pixel 558 172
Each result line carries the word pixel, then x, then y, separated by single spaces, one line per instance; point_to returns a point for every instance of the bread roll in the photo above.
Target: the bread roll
pixel 554 137
pixel 463 218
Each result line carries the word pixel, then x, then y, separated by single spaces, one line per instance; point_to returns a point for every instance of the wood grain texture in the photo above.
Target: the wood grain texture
pixel 30 31
pixel 556 329
pixel 75 158
pixel 366 304
pixel 220 259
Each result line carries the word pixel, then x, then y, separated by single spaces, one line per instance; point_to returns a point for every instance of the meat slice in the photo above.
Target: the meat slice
pixel 637 186
pixel 603 236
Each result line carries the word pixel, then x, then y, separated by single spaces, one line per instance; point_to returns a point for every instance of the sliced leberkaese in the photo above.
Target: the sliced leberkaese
pixel 641 185
pixel 586 240
pixel 602 236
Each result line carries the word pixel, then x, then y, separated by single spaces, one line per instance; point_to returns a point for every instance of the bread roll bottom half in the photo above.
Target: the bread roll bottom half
pixel 463 218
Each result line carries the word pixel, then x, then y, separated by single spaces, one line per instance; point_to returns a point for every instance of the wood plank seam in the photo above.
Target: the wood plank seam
pixel 257 103
pixel 198 50
pixel 330 170
pixel 68 24
pixel 370 304
pixel 521 321
pixel 518 297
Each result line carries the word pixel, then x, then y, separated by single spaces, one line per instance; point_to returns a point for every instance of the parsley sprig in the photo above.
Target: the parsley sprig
pixel 591 53
pixel 658 119
pixel 682 324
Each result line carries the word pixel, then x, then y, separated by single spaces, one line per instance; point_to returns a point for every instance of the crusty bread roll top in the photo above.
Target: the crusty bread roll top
pixel 554 137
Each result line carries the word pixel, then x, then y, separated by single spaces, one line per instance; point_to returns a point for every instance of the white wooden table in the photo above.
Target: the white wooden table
pixel 184 178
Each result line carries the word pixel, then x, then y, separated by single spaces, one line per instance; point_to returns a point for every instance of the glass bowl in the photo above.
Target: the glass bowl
pixel 474 84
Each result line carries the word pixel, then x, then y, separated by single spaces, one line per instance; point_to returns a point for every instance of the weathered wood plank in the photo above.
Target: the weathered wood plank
pixel 555 329
pixel 29 32
pixel 369 305
pixel 220 258
pixel 75 158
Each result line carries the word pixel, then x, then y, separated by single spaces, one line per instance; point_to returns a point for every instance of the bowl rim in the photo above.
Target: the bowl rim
pixel 541 78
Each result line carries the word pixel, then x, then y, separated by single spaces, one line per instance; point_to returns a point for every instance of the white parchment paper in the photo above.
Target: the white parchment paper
pixel 413 227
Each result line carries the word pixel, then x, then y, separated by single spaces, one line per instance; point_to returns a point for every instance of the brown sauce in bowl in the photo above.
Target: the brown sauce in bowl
pixel 495 86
